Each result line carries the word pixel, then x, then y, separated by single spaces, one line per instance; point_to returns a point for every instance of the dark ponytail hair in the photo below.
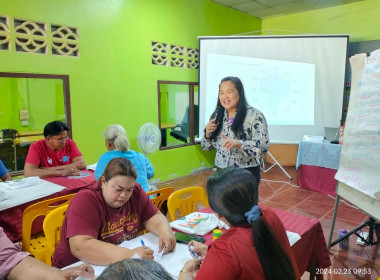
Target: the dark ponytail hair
pixel 231 193
pixel 241 112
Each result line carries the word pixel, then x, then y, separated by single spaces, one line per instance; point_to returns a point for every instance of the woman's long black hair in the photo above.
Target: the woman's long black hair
pixel 241 112
pixel 231 193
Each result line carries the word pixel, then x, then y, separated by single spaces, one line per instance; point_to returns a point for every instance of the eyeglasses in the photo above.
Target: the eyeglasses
pixel 60 140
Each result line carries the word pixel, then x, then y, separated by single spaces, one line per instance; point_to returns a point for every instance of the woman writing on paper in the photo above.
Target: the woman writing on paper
pixel 255 247
pixel 105 214
pixel 237 131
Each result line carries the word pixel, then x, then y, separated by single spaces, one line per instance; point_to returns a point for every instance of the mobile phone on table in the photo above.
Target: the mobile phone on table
pixel 186 238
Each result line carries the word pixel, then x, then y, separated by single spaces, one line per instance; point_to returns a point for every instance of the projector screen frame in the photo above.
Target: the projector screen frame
pixel 276 135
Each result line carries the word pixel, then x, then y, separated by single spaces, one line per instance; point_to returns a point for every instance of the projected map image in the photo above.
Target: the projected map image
pixel 276 88
pixel 282 90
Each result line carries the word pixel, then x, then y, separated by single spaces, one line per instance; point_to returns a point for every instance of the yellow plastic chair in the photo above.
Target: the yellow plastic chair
pixel 186 201
pixel 52 227
pixel 36 244
pixel 160 196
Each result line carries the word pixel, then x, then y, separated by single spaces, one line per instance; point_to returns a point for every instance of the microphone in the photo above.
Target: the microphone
pixel 216 115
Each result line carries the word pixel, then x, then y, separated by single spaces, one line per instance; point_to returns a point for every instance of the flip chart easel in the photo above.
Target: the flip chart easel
pixel 357 176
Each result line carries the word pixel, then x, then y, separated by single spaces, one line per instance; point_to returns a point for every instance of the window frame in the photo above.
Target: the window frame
pixel 66 92
pixel 191 85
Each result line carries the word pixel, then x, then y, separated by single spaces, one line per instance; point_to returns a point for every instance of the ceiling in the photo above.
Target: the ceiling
pixel 270 8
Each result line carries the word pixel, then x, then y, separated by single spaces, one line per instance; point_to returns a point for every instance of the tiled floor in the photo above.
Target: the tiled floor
pixel 278 191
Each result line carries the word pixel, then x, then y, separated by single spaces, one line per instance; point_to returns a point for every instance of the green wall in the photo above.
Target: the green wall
pixel 43 98
pixel 360 20
pixel 113 80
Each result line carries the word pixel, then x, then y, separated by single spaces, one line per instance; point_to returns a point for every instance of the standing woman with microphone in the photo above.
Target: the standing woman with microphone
pixel 237 131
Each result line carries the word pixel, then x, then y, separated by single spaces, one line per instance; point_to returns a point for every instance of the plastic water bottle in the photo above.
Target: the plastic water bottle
pixel 345 242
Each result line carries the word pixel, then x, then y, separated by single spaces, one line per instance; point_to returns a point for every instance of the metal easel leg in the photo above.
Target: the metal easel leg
pixel 333 220
pixel 371 223
pixel 262 166
pixel 373 228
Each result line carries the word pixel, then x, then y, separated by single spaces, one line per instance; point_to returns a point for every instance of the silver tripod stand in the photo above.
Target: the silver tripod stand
pixel 265 170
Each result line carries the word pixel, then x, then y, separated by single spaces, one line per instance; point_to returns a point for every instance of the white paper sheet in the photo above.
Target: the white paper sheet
pixel 360 156
pixel 21 183
pixel 172 262
pixel 92 166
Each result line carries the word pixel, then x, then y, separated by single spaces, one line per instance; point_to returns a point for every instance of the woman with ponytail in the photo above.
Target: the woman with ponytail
pixel 255 247
pixel 117 145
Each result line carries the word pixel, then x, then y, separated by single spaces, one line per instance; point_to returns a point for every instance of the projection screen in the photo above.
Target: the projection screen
pixel 296 81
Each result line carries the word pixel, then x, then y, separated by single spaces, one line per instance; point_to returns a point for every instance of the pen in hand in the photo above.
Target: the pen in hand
pixel 143 244
pixel 195 255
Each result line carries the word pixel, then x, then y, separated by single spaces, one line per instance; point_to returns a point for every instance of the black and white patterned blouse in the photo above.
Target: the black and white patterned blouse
pixel 256 142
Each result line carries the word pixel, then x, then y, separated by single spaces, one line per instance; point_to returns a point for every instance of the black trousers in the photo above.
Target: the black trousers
pixel 255 171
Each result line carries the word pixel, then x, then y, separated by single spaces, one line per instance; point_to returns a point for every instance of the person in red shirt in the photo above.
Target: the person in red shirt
pixel 102 216
pixel 54 156
pixel 255 247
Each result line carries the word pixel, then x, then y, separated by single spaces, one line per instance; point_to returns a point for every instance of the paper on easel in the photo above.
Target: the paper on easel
pixel 360 155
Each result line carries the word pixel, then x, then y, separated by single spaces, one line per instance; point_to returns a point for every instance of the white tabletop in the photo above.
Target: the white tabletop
pixel 16 197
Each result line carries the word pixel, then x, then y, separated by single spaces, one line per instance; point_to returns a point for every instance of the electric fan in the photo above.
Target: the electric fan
pixel 149 138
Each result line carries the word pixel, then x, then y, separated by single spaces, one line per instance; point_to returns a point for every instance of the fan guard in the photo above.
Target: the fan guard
pixel 149 138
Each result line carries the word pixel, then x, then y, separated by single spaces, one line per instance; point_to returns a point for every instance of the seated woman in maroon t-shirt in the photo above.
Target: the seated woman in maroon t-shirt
pixel 105 214
pixel 255 247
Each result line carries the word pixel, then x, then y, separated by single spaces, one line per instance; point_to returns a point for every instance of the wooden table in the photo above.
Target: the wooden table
pixel 163 128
